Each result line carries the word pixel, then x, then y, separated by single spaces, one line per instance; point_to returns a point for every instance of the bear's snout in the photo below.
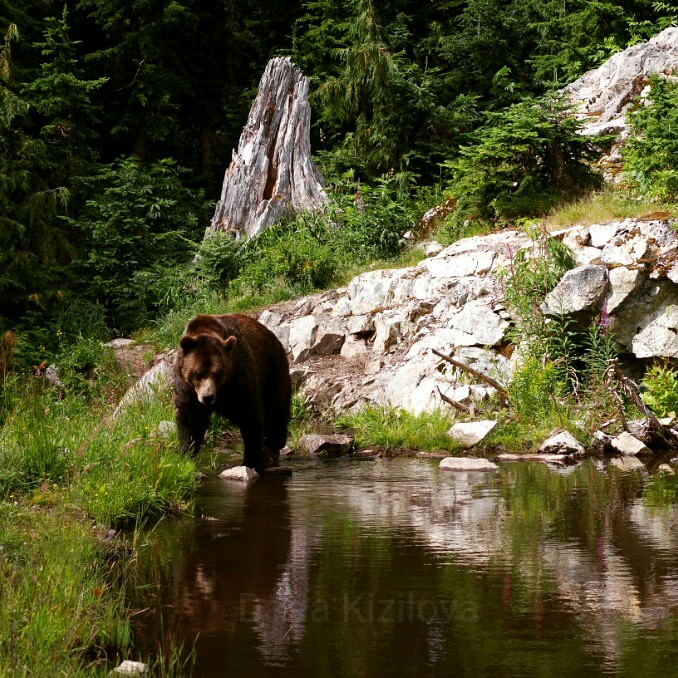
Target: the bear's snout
pixel 206 391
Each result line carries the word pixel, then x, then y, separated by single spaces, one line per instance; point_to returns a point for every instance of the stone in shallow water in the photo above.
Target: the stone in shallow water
pixel 561 443
pixel 629 445
pixel 330 445
pixel 240 473
pixel 467 464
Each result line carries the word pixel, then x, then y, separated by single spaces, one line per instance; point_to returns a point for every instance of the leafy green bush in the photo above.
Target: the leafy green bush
pixel 521 162
pixel 534 388
pixel 558 356
pixel 532 274
pixel 299 254
pixel 220 259
pixel 651 155
pixel 660 390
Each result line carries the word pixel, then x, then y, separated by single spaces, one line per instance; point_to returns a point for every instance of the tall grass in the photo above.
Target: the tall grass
pixel 396 429
pixel 61 611
pixel 602 207
pixel 68 473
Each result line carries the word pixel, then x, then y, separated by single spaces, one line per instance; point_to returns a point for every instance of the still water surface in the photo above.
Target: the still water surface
pixel 394 568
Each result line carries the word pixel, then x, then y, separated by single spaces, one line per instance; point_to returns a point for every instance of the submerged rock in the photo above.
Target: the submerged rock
pixel 240 473
pixel 467 464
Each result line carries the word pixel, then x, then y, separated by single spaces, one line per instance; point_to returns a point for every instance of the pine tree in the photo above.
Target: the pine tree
pixel 29 245
pixel 63 110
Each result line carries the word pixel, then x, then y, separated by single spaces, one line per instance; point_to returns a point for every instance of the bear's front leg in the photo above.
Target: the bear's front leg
pixel 253 447
pixel 191 430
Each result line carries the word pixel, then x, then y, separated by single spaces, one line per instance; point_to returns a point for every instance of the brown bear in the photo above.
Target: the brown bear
pixel 233 365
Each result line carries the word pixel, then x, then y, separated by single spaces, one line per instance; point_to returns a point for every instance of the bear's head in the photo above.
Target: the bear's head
pixel 205 363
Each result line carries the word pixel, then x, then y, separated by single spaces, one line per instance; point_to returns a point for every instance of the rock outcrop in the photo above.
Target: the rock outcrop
pixel 604 95
pixel 371 342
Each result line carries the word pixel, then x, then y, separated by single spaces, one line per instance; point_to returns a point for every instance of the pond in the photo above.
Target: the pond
pixel 395 568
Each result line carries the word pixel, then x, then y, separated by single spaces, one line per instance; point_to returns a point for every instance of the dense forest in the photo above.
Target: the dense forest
pixel 117 121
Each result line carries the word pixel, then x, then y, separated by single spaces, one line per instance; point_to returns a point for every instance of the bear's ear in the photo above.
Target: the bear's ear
pixel 228 344
pixel 187 342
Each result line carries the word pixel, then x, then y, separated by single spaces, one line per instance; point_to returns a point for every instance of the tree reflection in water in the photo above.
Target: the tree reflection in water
pixel 396 568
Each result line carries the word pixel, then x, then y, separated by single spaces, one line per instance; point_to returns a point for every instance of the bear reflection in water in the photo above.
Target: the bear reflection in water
pixel 234 575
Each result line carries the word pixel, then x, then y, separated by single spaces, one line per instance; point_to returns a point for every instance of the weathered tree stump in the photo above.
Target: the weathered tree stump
pixel 271 172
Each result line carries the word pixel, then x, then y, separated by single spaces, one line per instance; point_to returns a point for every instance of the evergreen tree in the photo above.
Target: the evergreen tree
pixel 30 246
pixel 63 110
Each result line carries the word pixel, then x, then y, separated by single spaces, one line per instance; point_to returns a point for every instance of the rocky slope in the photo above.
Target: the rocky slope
pixel 372 341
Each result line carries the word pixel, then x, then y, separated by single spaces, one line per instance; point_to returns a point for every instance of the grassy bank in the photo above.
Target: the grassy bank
pixel 70 477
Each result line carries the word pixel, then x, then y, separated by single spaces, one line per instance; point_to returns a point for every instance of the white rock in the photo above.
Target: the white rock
pixel 240 473
pixel 666 468
pixel 166 428
pixel 623 283
pixel 562 443
pixel 580 289
pixel 120 342
pixel 602 234
pixel 301 336
pixel 624 251
pixel 467 464
pixel 478 325
pixel 158 378
pixel 629 445
pixel 129 667
pixel 433 249
pixel 659 337
pixel 470 433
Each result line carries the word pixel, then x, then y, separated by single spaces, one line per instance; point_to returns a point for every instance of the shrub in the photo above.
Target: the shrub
pixel 534 388
pixel 521 162
pixel 660 390
pixel 143 218
pixel 651 155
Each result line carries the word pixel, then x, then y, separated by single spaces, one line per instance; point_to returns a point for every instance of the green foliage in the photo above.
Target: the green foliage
pixel 143 218
pixel 393 429
pixel 557 357
pixel 297 254
pixel 33 249
pixel 533 273
pixel 660 390
pixel 520 163
pixel 220 259
pixel 312 250
pixel 534 389
pixel 60 610
pixel 651 154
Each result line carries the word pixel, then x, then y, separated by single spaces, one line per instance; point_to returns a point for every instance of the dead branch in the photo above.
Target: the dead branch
pixel 630 388
pixel 457 405
pixel 478 375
